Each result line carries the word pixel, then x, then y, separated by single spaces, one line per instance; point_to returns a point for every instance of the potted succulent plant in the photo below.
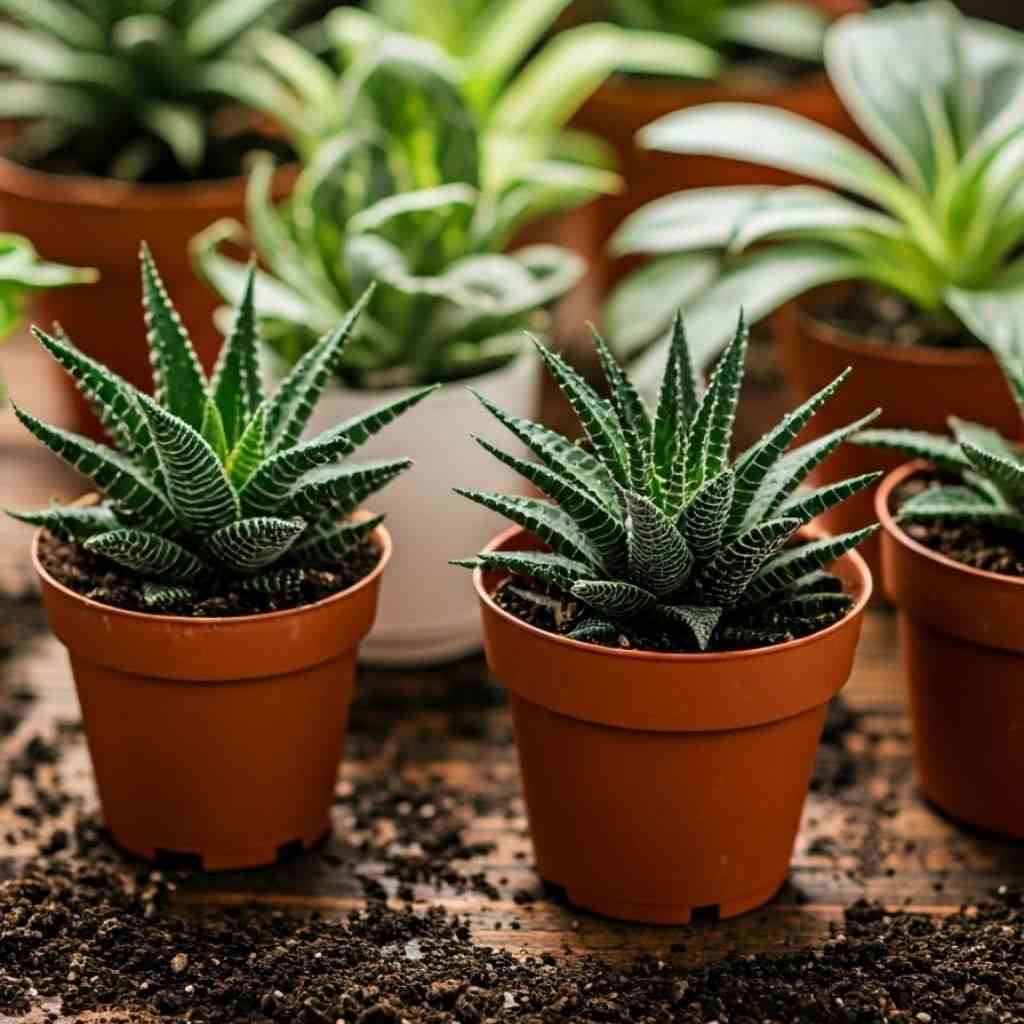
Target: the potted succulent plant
pixel 132 129
pixel 213 598
pixel 671 635
pixel 910 248
pixel 953 563
pixel 770 53
pixel 404 203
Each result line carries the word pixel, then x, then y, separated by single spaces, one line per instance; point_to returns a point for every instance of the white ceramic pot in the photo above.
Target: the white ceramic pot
pixel 428 611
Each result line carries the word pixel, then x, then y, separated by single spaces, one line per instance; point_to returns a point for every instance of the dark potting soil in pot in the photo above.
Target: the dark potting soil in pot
pixel 980 546
pixel 557 614
pixel 101 580
pixel 878 315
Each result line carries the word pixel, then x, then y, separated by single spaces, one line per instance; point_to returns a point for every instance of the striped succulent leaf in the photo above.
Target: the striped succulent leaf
pixel 212 473
pixel 989 468
pixel 652 532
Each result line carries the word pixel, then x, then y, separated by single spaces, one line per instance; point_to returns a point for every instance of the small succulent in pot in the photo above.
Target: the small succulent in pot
pixel 132 89
pixel 979 478
pixel 209 490
pixel 658 540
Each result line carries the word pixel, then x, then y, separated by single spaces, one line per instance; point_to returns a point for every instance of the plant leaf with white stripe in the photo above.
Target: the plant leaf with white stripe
pixel 331 542
pixel 148 553
pixel 248 545
pixel 338 492
pixel 659 557
pixel 699 621
pixel 556 570
pixel 726 577
pixel 614 598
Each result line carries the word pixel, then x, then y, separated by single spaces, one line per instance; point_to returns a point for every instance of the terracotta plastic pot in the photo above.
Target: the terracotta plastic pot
pixel 100 223
pixel 916 387
pixel 657 784
pixel 962 635
pixel 215 739
pixel 431 616
pixel 625 104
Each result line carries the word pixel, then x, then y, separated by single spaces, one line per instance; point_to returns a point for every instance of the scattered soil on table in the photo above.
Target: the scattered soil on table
pixel 547 609
pixel 875 314
pixel 101 580
pixel 978 546
pixel 97 938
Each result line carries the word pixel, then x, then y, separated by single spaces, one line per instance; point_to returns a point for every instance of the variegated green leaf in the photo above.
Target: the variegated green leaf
pixel 703 520
pixel 614 598
pixel 197 486
pixel 212 431
pixel 289 410
pixel 273 481
pixel 961 504
pixel 547 522
pixel 597 417
pixel 558 454
pixel 149 554
pixel 605 529
pixel 757 462
pixel 791 565
pixel 179 384
pixel 659 557
pixel 236 386
pixel 160 597
pixel 332 542
pixel 555 570
pixel 1006 473
pixel 135 497
pixel 943 451
pixel 338 492
pixel 802 606
pixel 281 583
pixel 595 631
pixel 806 506
pixel 247 455
pixel 248 545
pixel 724 580
pixel 698 621
pixel 71 522
pixel 982 437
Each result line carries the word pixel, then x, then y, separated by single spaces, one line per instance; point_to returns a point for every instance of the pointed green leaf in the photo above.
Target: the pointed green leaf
pixel 279 583
pixel 614 598
pixel 598 419
pixel 236 385
pixel 698 621
pixel 179 384
pixel 1007 474
pixel 960 504
pixel 545 521
pixel 71 522
pixel 135 497
pixel 556 570
pixel 338 492
pixel 148 553
pixel 197 486
pixel 162 597
pixel 331 542
pixel 726 577
pixel 791 565
pixel 703 520
pixel 246 457
pixel 595 631
pixel 289 410
pixel 251 544
pixel 212 431
pixel 806 506
pixel 659 558
pixel 943 451
pixel 982 437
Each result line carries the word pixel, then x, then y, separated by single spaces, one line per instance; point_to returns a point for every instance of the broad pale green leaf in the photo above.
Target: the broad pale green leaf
pixel 63 21
pixel 221 21
pixel 794 30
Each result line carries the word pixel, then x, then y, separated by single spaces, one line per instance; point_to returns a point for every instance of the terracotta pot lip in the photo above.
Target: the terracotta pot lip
pixel 890 482
pixel 109 193
pixel 381 534
pixel 865 586
pixel 920 355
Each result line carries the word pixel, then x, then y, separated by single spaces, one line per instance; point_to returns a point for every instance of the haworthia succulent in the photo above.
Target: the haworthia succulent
pixel 199 492
pixel 651 541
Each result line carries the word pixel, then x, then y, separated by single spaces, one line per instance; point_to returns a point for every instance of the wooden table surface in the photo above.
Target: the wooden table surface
pixel 865 831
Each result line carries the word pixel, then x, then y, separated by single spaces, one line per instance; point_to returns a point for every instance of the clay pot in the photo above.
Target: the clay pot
pixel 97 222
pixel 917 387
pixel 661 783
pixel 626 103
pixel 216 740
pixel 962 636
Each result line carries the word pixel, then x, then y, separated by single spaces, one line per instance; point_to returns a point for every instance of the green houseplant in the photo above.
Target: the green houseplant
pixel 132 125
pixel 921 244
pixel 663 619
pixel 218 537
pixel 400 199
pixel 953 562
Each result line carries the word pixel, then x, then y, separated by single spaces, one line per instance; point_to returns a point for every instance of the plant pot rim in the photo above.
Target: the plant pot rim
pixel 863 348
pixel 380 534
pixel 94 191
pixel 889 483
pixel 861 599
